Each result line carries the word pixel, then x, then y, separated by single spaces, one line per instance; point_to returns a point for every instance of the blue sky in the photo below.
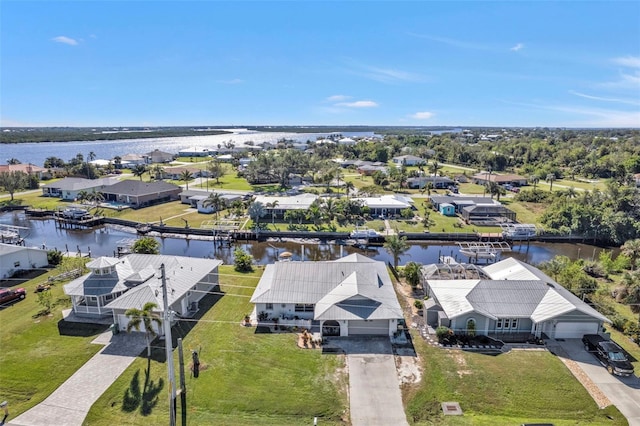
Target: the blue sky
pixel 473 63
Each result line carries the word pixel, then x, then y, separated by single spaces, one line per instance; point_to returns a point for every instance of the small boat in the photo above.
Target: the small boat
pixel 364 233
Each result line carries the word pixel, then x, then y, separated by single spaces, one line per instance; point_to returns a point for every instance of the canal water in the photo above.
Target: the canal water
pixel 104 241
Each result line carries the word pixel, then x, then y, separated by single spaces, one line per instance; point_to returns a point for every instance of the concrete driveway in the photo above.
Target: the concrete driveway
pixel 374 389
pixel 623 392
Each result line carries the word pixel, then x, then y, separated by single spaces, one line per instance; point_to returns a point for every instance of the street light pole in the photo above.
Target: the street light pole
pixel 168 350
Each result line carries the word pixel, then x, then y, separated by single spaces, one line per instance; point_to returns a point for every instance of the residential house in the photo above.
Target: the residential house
pixel 276 206
pixel 138 194
pixel 345 297
pixel 69 188
pixel 195 151
pixel 196 198
pixel 408 160
pixel 115 285
pixel 460 201
pixel 437 182
pixel 511 301
pixel 510 179
pixel 488 214
pixel 157 156
pixel 387 205
pixel 30 169
pixel 175 173
pixel 14 258
pixel 132 160
pixel 368 168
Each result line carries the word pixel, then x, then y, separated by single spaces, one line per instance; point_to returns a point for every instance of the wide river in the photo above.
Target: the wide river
pixel 36 153
pixel 105 241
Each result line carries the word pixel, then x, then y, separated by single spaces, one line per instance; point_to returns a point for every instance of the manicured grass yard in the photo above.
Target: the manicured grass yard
pixel 246 378
pixel 34 358
pixel 513 388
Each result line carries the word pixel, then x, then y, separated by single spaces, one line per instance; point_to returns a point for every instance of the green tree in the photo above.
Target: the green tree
pixel 13 181
pixel 412 274
pixel 146 245
pixel 216 169
pixel 242 261
pixel 256 211
pixel 186 176
pixel 348 187
pixel 396 245
pixel 214 200
pixel 631 248
pixel 145 317
pixel 158 171
pixel 139 170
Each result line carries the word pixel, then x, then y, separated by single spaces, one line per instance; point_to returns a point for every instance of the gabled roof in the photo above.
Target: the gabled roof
pixel 138 188
pixel 78 184
pixel 514 290
pixel 352 288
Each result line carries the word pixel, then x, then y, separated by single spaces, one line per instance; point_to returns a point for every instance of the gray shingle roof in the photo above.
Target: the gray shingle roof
pixel 137 188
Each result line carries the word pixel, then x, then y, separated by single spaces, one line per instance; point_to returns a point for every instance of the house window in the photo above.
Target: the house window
pixel 269 307
pixel 16 264
pixel 499 323
pixel 302 307
pixel 514 323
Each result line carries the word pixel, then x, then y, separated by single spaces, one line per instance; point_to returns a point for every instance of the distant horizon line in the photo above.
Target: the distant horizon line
pixel 302 126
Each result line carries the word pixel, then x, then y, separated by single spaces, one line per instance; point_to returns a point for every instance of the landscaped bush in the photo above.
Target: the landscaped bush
pixel 443 332
pixel 418 304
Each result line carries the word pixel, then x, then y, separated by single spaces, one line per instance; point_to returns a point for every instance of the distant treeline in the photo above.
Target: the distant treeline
pixel 68 134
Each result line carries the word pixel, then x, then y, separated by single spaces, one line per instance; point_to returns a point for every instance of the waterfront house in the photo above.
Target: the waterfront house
pixel 195 151
pixel 278 205
pixel 132 160
pixel 387 205
pixel 138 194
pixel 69 188
pixel 29 169
pixel 175 173
pixel 509 300
pixel 115 285
pixel 345 297
pixel 14 258
pixel 157 156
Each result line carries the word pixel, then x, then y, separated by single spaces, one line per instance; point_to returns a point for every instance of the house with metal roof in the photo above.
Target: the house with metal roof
pixel 115 285
pixel 15 258
pixel 69 188
pixel 387 204
pixel 408 160
pixel 349 296
pixel 278 205
pixel 138 194
pixel 512 301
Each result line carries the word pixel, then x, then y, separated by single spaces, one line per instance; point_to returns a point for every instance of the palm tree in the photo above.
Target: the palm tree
pixel 145 317
pixel 550 178
pixel 82 196
pixel 329 209
pixel 157 171
pixel 395 245
pixel 631 249
pixel 139 170
pixel 272 206
pixel 256 211
pixel 433 167
pixel 90 157
pixel 348 187
pixel 186 176
pixel 117 160
pixel 215 200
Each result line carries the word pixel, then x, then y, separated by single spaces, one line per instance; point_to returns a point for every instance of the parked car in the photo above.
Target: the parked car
pixel 609 354
pixel 8 295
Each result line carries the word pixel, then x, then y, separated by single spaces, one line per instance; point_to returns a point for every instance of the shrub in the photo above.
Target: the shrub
pixel 146 245
pixel 243 261
pixel 418 304
pixel 443 332
pixel 54 257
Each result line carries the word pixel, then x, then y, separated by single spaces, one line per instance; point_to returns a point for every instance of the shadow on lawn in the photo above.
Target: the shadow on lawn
pixel 147 398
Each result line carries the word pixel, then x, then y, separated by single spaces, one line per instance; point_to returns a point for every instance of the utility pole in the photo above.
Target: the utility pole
pixel 168 350
pixel 183 386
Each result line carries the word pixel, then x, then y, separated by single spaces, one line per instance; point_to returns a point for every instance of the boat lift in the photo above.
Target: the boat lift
pixel 488 251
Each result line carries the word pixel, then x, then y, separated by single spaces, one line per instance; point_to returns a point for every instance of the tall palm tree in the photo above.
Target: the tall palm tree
pixel 82 196
pixel 550 178
pixel 396 245
pixel 214 200
pixel 186 176
pixel 139 170
pixel 90 157
pixel 329 209
pixel 256 211
pixel 434 167
pixel 272 206
pixel 348 187
pixel 145 317
pixel 157 171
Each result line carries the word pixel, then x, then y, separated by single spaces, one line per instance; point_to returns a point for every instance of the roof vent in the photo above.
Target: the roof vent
pixel 551 285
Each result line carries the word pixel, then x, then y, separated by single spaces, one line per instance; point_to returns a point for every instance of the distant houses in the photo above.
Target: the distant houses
pixel 437 182
pixel 69 188
pixel 510 179
pixel 408 160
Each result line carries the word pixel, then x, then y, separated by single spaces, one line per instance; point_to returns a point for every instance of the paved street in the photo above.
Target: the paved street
pixel 623 392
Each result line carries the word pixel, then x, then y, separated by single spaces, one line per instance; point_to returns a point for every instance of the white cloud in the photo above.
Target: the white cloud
pixel 65 40
pixel 424 115
pixel 599 98
pixel 453 42
pixel 626 81
pixel 628 61
pixel 383 75
pixel 338 98
pixel 358 104
pixel 232 81
pixel 517 47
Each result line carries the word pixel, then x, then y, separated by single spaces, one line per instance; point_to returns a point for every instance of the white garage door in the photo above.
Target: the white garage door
pixel 575 330
pixel 378 327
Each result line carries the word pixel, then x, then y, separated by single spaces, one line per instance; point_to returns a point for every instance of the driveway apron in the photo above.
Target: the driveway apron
pixel 374 389
pixel 623 392
pixel 69 404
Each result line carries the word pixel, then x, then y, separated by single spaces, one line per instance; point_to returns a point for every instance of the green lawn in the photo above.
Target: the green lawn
pixel 508 389
pixel 247 378
pixel 35 359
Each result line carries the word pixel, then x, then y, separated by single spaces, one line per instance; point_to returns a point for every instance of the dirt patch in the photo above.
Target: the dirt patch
pixel 461 362
pixel 408 368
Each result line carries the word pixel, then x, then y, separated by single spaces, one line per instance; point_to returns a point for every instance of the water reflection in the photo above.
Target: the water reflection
pixel 104 242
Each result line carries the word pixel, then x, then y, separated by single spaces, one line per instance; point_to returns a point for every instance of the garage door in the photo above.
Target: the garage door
pixel 574 330
pixel 377 327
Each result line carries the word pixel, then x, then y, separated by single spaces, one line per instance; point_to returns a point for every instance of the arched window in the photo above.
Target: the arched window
pixel 471 327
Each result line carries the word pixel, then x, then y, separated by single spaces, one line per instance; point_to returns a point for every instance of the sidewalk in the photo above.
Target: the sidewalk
pixel 69 404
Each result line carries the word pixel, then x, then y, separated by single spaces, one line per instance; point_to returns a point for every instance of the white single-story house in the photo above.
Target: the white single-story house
pixel 69 188
pixel 408 160
pixel 175 173
pixel 511 300
pixel 115 285
pixel 350 296
pixel 157 156
pixel 133 159
pixel 15 258
pixel 195 151
pixel 438 182
pixel 387 204
pixel 279 205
